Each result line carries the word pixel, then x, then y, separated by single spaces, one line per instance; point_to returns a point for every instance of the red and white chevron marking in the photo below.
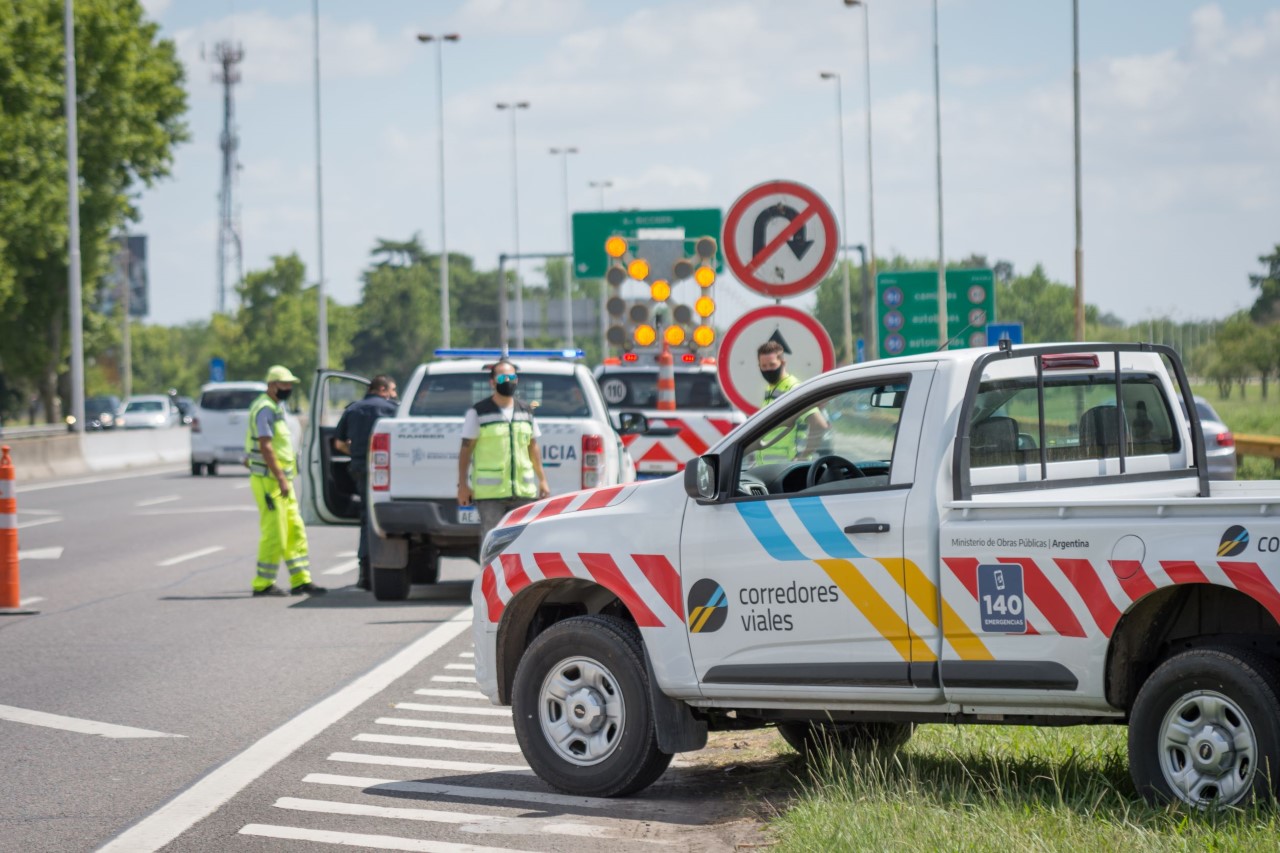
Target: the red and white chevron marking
pixel 647 584
pixel 1074 598
pixel 668 454
pixel 573 502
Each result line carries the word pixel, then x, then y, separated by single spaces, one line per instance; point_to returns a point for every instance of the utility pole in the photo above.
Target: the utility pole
pixel 76 309
pixel 1075 84
pixel 943 337
pixel 228 56
pixel 322 309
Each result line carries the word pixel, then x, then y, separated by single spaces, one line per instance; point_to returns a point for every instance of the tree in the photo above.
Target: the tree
pixel 1045 308
pixel 1266 308
pixel 130 104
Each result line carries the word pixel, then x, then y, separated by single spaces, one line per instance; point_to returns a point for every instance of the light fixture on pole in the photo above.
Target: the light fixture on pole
pixel 568 266
pixel 75 307
pixel 870 310
pixel 845 307
pixel 444 246
pixel 943 336
pixel 514 107
pixel 322 309
pixel 602 186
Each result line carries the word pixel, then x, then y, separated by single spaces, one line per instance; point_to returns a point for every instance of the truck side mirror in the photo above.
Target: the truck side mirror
pixel 701 476
pixel 632 423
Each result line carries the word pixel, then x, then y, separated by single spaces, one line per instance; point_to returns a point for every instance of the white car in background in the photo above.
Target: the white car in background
pixel 219 424
pixel 149 411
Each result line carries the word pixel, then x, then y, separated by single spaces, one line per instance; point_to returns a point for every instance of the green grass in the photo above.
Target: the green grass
pixel 979 788
pixel 1250 414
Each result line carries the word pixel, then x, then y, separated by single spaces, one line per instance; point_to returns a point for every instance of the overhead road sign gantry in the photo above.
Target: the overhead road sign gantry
pixel 908 310
pixel 780 239
pixel 806 346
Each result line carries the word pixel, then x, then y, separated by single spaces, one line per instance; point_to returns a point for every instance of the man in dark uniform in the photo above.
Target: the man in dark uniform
pixel 352 437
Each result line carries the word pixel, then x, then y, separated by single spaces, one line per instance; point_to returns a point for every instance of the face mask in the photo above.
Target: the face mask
pixel 283 393
pixel 771 376
pixel 508 388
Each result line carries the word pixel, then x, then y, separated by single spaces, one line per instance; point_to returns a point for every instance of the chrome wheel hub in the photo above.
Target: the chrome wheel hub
pixel 1207 749
pixel 581 711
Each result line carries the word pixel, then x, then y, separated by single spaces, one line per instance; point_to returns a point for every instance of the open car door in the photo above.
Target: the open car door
pixel 327 493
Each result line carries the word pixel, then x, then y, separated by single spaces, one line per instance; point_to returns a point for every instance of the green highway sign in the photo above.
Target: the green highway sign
pixel 908 310
pixel 590 230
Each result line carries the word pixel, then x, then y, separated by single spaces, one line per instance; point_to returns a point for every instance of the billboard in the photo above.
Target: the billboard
pixel 128 270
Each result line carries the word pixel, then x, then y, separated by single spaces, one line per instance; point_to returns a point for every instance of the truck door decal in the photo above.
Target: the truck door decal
pixel 1086 581
pixel 1047 599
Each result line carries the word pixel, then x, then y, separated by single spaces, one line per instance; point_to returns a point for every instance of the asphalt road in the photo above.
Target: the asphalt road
pixel 153 704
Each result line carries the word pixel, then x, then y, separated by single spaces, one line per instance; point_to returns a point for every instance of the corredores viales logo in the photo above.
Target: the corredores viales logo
pixel 1234 541
pixel 708 607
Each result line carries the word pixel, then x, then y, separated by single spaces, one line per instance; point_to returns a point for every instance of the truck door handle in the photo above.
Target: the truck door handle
pixel 869 527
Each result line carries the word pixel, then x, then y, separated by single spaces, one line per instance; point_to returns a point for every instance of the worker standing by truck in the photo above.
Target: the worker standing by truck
pixel 352 437
pixel 500 434
pixel 782 446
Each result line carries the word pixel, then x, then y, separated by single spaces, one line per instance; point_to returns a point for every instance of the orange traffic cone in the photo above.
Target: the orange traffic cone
pixel 10 599
pixel 666 380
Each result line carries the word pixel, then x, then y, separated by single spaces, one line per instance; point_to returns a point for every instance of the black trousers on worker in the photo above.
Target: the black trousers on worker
pixel 361 476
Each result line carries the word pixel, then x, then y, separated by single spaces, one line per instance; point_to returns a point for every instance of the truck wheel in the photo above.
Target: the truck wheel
pixel 390 584
pixel 821 738
pixel 1205 729
pixel 211 469
pixel 580 704
pixel 196 469
pixel 424 562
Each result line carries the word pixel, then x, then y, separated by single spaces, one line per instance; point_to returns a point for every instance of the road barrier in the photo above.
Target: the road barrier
pixel 1265 446
pixel 69 455
pixel 10 597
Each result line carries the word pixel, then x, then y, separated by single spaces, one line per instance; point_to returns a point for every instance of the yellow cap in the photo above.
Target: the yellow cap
pixel 280 373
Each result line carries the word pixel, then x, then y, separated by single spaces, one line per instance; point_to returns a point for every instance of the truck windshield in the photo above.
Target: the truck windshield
pixel 451 394
pixel 639 389
pixel 228 399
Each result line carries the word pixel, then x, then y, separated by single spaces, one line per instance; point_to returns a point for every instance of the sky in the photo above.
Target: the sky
pixel 689 103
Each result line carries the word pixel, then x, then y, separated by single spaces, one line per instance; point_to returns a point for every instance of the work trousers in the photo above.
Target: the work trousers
pixel 282 536
pixel 492 511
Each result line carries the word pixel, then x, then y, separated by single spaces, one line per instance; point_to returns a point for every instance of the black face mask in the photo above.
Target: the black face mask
pixel 507 389
pixel 283 393
pixel 771 376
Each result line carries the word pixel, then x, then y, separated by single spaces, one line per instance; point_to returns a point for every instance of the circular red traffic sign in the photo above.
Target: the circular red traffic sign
pixel 738 366
pixel 780 262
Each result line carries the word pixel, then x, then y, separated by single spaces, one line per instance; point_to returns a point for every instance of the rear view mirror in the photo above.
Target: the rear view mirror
pixel 888 397
pixel 632 423
pixel 701 476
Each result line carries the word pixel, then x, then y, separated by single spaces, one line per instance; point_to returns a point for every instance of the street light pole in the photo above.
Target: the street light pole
pixel 943 337
pixel 1075 81
pixel 322 315
pixel 845 307
pixel 444 246
pixel 602 186
pixel 568 267
pixel 870 322
pixel 604 285
pixel 514 107
pixel 75 309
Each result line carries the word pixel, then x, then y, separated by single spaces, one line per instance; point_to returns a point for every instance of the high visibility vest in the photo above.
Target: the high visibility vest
pixel 785 449
pixel 281 438
pixel 500 465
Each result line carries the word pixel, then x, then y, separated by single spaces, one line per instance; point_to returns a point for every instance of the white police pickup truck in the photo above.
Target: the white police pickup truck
pixel 1020 536
pixel 413 459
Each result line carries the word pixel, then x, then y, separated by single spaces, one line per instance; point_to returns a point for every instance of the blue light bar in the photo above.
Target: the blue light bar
pixel 515 353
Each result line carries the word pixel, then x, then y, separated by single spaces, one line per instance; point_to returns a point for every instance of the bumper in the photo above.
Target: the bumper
pixel 436 519
pixel 485 635
pixel 229 455
pixel 1222 466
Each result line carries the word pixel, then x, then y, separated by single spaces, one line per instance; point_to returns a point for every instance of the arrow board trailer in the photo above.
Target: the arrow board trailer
pixel 780 239
pixel 806 348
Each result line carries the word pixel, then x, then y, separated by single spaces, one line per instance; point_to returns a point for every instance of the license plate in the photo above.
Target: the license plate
pixel 468 515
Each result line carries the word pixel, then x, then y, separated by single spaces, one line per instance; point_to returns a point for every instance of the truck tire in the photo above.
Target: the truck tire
pixel 196 468
pixel 211 469
pixel 1205 729
pixel 390 584
pixel 821 738
pixel 424 563
pixel 580 704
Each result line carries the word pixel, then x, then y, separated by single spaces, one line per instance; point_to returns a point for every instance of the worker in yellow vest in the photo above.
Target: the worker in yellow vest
pixel 501 436
pixel 269 445
pixel 780 445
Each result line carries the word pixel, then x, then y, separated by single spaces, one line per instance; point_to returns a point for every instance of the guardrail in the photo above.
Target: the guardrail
pixel 32 431
pixel 1264 446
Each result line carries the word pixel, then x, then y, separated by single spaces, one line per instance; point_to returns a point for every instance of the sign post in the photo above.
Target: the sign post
pixel 908 308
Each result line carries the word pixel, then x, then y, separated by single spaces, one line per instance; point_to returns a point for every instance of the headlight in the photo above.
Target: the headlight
pixel 497 541
pixel 106 418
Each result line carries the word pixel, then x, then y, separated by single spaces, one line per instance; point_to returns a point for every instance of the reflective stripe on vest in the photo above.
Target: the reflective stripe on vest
pixel 500 465
pixel 281 439
pixel 785 449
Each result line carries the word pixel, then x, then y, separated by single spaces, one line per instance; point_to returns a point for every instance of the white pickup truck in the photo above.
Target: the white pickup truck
pixel 413 459
pixel 1020 536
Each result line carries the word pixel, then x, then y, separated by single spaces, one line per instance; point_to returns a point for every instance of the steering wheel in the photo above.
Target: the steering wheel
pixel 824 465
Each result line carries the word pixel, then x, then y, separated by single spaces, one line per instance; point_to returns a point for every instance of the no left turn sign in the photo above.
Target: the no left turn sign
pixel 780 238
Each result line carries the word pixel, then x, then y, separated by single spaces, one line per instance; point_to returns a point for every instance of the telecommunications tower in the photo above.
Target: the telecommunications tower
pixel 228 57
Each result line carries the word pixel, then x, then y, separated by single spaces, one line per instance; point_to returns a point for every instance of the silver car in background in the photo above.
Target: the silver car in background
pixel 149 411
pixel 1219 443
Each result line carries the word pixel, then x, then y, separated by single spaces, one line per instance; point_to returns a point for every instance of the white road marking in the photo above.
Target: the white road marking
pixel 86 481
pixel 463 791
pixel 347 554
pixel 241 485
pixel 454 679
pixel 161 500
pixel 54 553
pixel 437 725
pixel 469 666
pixel 27 602
pixel 194 555
pixel 467 655
pixel 453 709
pixel 480 824
pixel 223 783
pixel 23 525
pixel 440 743
pixel 378 842
pixel 75 724
pixel 200 510
pixel 342 568
pixel 447 693
pixel 25 511
pixel 429 763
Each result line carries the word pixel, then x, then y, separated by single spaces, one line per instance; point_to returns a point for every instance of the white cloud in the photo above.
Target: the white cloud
pixel 524 17
pixel 155 8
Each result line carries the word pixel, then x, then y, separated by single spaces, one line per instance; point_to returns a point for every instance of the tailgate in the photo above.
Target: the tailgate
pixel 424 456
pixel 561 445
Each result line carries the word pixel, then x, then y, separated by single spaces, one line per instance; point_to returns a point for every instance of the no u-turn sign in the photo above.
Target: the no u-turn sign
pixel 780 238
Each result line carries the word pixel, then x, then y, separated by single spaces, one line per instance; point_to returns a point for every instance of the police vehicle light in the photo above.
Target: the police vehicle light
pixel 705 306
pixel 630 356
pixel 660 290
pixel 645 335
pixel 704 276
pixel 688 358
pixel 1068 360
pixel 638 269
pixel 704 336
pixel 615 247
pixel 673 335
